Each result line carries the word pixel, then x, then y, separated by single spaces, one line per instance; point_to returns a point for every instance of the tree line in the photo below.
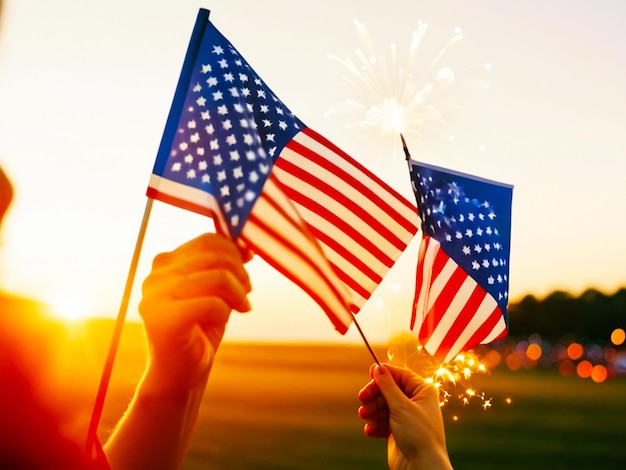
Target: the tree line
pixel 590 317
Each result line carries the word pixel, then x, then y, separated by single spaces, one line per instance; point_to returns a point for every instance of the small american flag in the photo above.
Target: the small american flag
pixel 232 150
pixel 463 267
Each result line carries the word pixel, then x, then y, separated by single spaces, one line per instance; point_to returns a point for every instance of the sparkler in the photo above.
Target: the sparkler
pixel 445 377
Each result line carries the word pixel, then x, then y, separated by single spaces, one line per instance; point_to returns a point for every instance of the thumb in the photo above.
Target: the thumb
pixel 387 385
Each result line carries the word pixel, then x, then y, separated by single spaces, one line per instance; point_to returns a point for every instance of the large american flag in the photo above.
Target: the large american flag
pixel 232 150
pixel 463 266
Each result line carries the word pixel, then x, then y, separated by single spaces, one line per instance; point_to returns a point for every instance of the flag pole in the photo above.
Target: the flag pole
pixel 92 433
pixel 407 155
pixel 367 344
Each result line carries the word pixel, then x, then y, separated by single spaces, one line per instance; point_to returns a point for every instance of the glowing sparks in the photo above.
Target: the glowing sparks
pixel 445 377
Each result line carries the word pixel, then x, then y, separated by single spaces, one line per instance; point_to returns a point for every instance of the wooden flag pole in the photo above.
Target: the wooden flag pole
pixel 92 433
pixel 367 344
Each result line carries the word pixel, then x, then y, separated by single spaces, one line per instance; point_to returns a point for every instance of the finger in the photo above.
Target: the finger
pixel 215 283
pixel 184 263
pixel 411 383
pixel 376 429
pixel 369 391
pixel 374 409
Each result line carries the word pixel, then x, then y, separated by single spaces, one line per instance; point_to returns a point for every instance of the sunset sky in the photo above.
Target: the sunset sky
pixel 85 88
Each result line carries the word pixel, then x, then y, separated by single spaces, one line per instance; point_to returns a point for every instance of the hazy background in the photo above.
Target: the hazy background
pixel 85 88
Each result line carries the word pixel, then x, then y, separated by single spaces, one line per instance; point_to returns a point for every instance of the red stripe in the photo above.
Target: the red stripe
pixel 341 225
pixel 443 301
pixel 347 255
pixel 340 153
pixel 461 321
pixel 178 202
pixel 338 196
pixel 420 288
pixel 280 263
pixel 352 181
pixel 486 328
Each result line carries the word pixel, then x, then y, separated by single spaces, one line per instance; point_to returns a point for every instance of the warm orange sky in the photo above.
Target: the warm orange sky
pixel 85 88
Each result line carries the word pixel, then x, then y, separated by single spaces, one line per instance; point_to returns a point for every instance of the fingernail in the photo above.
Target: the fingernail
pixel 380 369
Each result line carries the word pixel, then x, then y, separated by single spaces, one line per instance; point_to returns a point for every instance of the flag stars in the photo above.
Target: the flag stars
pixel 211 81
pixel 225 190
pixel 238 172
pixel 466 250
pixel 217 96
pixel 191 174
pixel 218 50
pixel 194 138
pixel 227 125
pixel 229 77
pixel 223 63
pixel 221 175
pixel 206 68
pixel 217 160
pixel 197 87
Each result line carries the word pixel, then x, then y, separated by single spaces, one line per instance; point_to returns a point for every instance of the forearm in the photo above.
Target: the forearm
pixel 156 430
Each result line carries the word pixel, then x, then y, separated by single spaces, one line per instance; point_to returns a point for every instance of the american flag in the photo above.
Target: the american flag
pixel 463 266
pixel 232 150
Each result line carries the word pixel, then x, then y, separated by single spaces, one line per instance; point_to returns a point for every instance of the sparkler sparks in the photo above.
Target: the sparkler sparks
pixel 447 377
pixel 396 93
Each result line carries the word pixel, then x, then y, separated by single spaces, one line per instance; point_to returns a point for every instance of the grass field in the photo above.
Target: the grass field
pixel 294 407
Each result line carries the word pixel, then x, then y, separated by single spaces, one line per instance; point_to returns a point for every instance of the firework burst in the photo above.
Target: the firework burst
pixel 393 94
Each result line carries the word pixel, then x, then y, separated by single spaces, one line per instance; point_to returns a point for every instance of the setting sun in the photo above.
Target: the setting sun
pixel 70 307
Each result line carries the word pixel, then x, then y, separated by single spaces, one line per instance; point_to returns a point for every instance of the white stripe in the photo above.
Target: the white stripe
pixel 381 190
pixel 184 192
pixel 486 308
pixel 451 314
pixel 440 281
pixel 302 269
pixel 424 288
pixel 497 331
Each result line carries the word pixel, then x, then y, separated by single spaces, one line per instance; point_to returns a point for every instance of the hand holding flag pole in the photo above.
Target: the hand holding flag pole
pixel 233 151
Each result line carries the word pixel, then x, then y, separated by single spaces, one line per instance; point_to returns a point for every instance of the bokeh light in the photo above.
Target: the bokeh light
pixel 599 373
pixel 533 352
pixel 618 336
pixel 584 369
pixel 575 351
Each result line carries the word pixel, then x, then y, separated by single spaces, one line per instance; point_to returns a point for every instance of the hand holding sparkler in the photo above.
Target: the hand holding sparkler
pixel 400 405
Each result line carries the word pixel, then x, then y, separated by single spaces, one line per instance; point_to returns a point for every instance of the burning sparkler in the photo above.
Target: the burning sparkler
pixel 455 375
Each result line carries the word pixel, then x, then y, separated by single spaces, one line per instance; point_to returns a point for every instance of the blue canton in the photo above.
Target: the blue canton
pixel 231 130
pixel 461 213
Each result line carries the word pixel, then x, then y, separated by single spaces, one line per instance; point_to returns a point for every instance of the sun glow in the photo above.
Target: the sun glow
pixel 70 307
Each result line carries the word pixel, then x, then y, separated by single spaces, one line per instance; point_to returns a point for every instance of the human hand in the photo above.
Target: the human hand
pixel 187 300
pixel 399 405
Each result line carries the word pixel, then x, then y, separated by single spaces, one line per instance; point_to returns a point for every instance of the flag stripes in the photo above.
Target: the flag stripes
pixel 362 225
pixel 451 311
pixel 276 232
